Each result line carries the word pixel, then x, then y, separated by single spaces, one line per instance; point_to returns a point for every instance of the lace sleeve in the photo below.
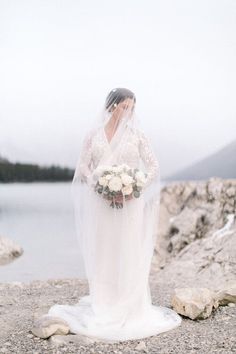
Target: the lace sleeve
pixel 83 168
pixel 148 157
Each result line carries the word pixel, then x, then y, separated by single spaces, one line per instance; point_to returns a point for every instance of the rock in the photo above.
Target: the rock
pixel 196 238
pixel 226 296
pixel 195 303
pixel 206 263
pixel 9 250
pixel 47 325
pixel 214 188
pixel 183 229
pixel 231 191
pixel 142 346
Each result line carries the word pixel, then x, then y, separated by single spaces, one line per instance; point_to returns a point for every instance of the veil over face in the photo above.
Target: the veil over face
pixel 114 151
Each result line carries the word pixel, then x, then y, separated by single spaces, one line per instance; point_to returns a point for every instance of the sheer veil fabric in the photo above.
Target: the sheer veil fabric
pixel 116 240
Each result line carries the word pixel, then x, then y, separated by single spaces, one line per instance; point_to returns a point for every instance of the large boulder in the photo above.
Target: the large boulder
pixel 195 303
pixel 227 296
pixel 198 303
pixel 196 238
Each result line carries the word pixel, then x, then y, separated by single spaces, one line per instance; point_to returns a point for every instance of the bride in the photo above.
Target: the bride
pixel 116 194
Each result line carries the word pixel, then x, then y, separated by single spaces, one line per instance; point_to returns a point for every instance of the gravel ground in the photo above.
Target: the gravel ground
pixel 20 303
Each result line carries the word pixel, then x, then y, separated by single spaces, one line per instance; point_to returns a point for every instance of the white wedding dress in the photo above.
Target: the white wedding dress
pixel 119 305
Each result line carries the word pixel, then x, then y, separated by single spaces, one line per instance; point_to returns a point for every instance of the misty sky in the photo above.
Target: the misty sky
pixel 59 59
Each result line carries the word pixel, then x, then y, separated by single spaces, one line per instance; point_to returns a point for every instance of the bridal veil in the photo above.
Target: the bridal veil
pixel 116 236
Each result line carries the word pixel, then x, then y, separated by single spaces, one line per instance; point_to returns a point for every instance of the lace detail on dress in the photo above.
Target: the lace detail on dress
pixel 149 159
pixel 138 147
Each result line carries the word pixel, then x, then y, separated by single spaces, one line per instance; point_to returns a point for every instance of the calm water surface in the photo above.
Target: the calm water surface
pixel 40 218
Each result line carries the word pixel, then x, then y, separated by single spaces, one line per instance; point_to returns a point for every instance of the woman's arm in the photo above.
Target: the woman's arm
pixel 148 157
pixel 83 169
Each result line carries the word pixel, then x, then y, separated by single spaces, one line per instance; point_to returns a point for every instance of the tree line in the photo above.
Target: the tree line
pixel 25 172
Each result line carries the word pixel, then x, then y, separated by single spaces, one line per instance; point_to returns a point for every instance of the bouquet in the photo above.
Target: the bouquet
pixel 119 182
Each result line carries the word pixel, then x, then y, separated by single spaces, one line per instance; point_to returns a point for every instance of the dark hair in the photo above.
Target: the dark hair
pixel 118 95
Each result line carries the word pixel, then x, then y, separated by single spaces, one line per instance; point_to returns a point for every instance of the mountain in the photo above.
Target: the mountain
pixel 219 164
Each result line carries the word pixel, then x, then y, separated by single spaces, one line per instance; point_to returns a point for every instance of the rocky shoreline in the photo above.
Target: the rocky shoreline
pixel 195 249
pixel 196 239
pixel 22 303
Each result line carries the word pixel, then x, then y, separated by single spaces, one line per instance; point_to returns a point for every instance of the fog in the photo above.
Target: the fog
pixel 59 60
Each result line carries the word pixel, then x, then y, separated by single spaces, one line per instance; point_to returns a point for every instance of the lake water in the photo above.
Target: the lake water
pixel 40 218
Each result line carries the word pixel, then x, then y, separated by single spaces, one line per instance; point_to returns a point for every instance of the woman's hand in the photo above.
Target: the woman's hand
pixel 120 198
pixel 128 197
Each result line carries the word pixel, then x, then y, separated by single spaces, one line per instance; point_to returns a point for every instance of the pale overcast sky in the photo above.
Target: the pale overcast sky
pixel 58 57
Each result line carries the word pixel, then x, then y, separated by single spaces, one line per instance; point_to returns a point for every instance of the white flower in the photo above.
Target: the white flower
pixel 140 184
pixel 108 177
pixel 99 170
pixel 114 169
pixel 127 190
pixel 126 179
pixel 103 181
pixel 115 184
pixel 140 176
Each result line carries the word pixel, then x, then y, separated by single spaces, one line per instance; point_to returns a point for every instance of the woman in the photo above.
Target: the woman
pixel 116 189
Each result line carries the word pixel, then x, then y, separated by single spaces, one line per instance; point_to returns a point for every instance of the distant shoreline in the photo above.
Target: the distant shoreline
pixel 25 172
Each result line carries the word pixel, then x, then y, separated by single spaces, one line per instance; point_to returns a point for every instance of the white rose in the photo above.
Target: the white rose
pixel 98 171
pixel 115 169
pixel 126 179
pixel 140 176
pixel 108 177
pixel 103 181
pixel 115 184
pixel 140 184
pixel 127 190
